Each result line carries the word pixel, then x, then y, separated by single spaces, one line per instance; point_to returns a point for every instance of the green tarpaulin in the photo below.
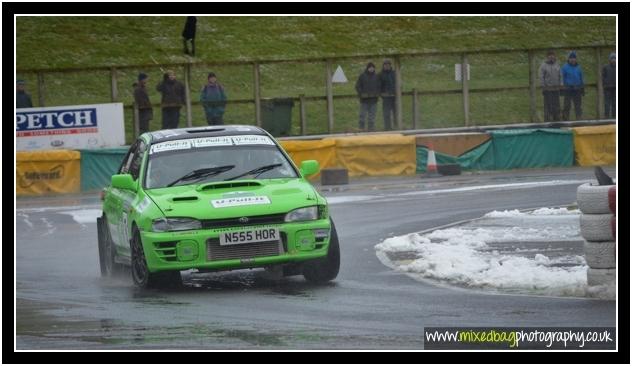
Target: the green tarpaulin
pixel 98 166
pixel 512 149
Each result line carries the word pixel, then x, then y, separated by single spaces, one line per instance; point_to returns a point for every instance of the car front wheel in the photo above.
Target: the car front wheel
pixel 325 269
pixel 140 273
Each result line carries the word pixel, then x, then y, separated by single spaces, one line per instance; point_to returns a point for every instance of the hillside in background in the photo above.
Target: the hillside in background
pixel 60 42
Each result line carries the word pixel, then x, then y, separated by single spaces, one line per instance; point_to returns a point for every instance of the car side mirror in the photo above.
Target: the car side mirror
pixel 309 167
pixel 124 181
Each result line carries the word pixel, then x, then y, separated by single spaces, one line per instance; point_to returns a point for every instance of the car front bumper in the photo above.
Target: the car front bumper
pixel 200 249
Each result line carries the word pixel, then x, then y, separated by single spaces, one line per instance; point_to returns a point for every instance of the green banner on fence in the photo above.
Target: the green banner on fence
pixel 98 166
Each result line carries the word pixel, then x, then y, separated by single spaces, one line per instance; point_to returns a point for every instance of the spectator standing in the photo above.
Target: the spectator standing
pixel 609 78
pixel 213 100
pixel 141 98
pixel 22 98
pixel 368 89
pixel 573 80
pixel 550 80
pixel 172 99
pixel 387 89
pixel 188 34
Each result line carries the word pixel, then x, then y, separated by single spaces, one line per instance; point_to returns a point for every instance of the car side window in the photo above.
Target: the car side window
pixel 136 160
pixel 127 161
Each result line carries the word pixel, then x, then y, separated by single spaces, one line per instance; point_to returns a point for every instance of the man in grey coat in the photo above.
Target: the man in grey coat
pixel 368 89
pixel 387 86
pixel 550 80
pixel 141 98
pixel 609 78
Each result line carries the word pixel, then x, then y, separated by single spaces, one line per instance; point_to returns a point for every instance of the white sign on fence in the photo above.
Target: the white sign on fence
pixel 70 127
pixel 339 76
pixel 457 72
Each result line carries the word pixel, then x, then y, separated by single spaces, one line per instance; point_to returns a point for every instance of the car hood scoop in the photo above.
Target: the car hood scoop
pixel 223 185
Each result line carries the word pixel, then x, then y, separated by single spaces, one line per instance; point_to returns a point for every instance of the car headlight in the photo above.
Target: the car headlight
pixel 302 214
pixel 175 224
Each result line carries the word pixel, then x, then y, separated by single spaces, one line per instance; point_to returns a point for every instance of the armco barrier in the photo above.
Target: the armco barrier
pixel 595 145
pixel 47 172
pixel 323 151
pixel 377 155
pixel 98 166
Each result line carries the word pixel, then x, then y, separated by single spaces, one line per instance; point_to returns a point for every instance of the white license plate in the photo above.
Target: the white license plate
pixel 249 236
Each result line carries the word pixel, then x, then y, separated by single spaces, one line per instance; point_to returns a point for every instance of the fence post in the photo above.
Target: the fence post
pixel 465 88
pixel 415 109
pixel 187 94
pixel 301 101
pixel 532 86
pixel 113 85
pixel 257 92
pixel 330 98
pixel 40 88
pixel 600 106
pixel 398 93
pixel 136 121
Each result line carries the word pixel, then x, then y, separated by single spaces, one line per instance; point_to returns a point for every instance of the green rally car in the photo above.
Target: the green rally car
pixel 214 198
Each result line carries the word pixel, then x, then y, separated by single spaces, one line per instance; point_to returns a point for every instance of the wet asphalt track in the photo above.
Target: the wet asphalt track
pixel 62 303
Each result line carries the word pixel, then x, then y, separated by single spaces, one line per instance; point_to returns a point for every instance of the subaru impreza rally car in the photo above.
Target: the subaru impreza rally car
pixel 214 198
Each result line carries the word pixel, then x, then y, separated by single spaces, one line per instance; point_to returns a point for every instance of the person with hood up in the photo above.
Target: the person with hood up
pixel 609 78
pixel 213 99
pixel 141 98
pixel 573 80
pixel 368 89
pixel 550 80
pixel 172 99
pixel 387 86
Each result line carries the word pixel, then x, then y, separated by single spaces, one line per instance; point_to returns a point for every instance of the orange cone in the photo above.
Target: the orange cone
pixel 431 168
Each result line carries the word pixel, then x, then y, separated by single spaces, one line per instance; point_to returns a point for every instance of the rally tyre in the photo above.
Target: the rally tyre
pixel 140 273
pixel 596 227
pixel 106 249
pixel 601 277
pixel 325 269
pixel 600 255
pixel 593 199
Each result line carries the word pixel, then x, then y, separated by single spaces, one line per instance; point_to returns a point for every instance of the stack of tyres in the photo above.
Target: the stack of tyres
pixel 599 238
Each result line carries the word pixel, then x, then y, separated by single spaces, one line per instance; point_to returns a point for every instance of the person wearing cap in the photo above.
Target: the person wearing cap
pixel 22 98
pixel 213 99
pixel 141 99
pixel 573 80
pixel 550 81
pixel 368 89
pixel 387 90
pixel 172 100
pixel 609 78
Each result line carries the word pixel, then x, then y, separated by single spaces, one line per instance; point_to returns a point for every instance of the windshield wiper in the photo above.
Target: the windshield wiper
pixel 257 171
pixel 202 173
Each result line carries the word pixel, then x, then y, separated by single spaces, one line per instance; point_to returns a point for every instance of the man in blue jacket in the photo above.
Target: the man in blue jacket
pixel 573 80
pixel 213 99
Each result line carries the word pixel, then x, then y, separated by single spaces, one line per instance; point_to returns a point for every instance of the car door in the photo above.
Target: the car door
pixel 127 198
pixel 116 216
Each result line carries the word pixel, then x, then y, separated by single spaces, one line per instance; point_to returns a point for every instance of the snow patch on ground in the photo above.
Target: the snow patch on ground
pixel 84 216
pixel 462 256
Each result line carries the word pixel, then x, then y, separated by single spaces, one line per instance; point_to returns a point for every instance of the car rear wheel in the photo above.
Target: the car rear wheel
pixel 107 252
pixel 325 269
pixel 140 273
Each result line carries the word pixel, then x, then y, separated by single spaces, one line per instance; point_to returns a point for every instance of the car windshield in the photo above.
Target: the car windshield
pixel 216 163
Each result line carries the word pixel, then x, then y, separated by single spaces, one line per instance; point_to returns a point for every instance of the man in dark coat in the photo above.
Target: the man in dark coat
pixel 22 98
pixel 188 34
pixel 141 98
pixel 387 83
pixel 172 99
pixel 609 78
pixel 368 89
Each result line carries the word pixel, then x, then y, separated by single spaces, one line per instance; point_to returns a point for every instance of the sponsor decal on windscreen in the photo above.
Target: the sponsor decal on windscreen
pixel 210 141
